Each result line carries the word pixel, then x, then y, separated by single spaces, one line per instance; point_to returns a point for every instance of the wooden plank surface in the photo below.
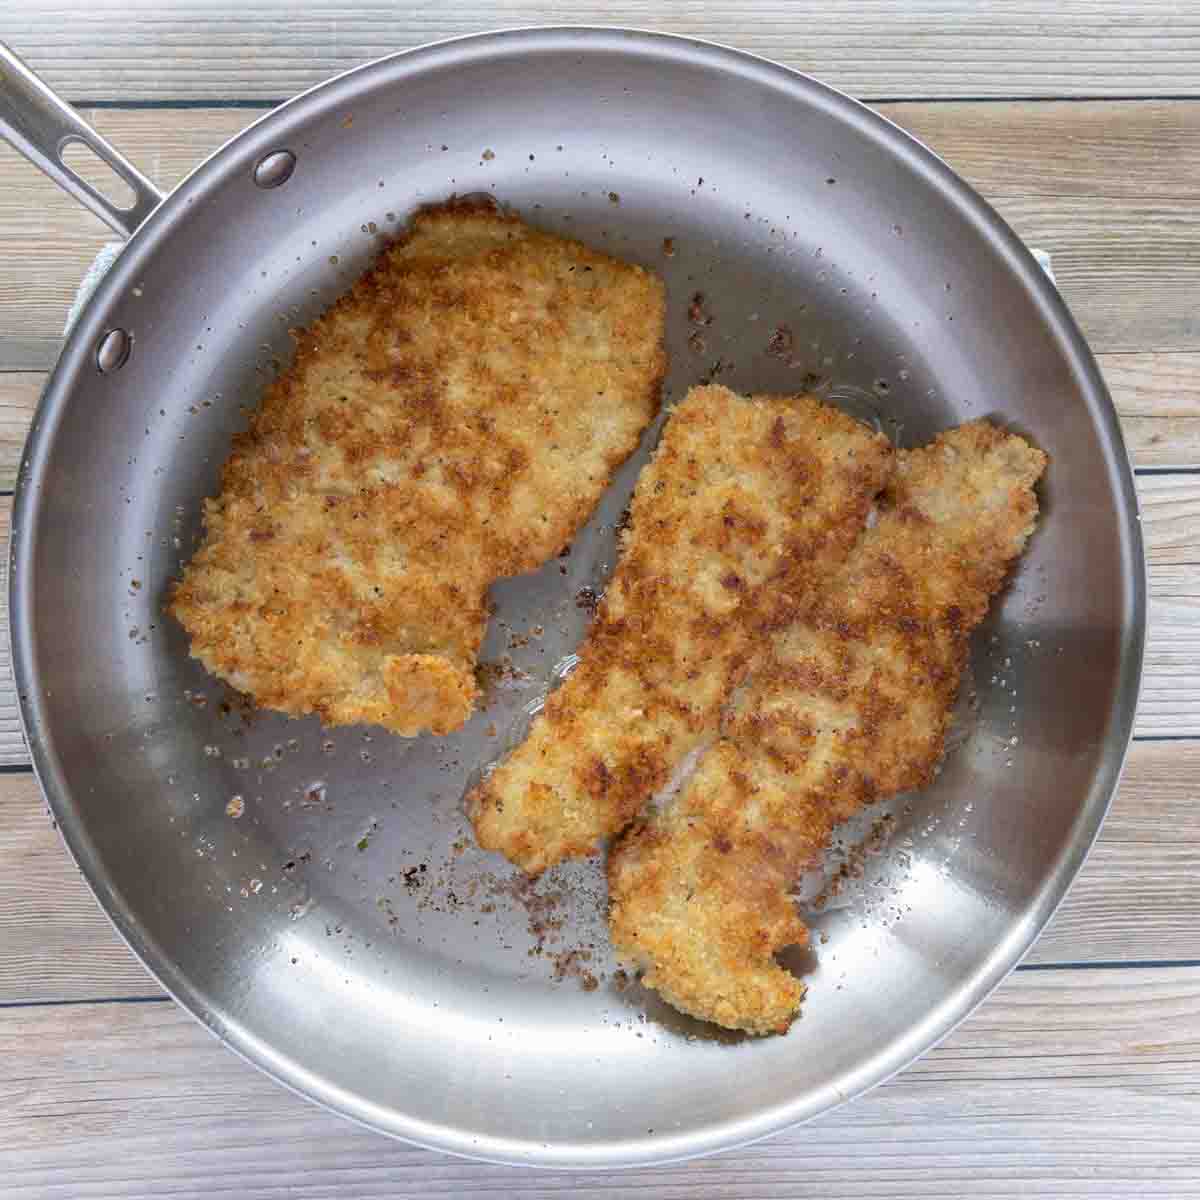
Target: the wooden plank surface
pixel 1128 269
pixel 1065 148
pixel 1170 507
pixel 217 50
pixel 1107 188
pixel 1078 1082
pixel 1170 696
pixel 1158 397
pixel 55 943
pixel 136 1100
pixel 12 740
pixel 19 394
pixel 1136 899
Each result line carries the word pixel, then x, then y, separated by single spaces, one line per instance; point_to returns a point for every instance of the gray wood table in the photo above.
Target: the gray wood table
pixel 1080 121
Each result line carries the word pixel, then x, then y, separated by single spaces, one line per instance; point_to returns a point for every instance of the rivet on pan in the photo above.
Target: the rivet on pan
pixel 112 351
pixel 274 168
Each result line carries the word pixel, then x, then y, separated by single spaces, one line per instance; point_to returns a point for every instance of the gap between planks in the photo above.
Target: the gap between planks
pixel 1135 899
pixel 1104 1062
pixel 1109 189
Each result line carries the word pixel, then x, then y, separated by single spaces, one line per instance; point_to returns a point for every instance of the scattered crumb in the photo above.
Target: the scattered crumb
pixel 415 877
pixel 588 600
pixel 781 341
pixel 570 964
pixel 499 676
pixel 542 909
pixel 854 864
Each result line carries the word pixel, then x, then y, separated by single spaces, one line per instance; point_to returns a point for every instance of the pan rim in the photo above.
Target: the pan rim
pixel 672 49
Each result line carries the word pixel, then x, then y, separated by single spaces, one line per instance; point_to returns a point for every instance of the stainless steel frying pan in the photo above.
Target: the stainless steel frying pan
pixel 343 933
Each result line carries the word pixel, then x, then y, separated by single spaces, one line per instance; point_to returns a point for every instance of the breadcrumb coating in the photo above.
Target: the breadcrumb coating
pixel 851 705
pixel 452 419
pixel 745 500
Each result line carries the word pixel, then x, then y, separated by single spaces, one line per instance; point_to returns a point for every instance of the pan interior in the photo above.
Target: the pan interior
pixel 344 931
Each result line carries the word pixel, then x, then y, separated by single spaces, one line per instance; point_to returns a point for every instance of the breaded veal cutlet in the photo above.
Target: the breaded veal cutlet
pixel 851 705
pixel 452 419
pixel 744 501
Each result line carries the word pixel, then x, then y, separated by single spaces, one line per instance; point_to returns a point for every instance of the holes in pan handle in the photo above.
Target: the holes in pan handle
pixel 89 168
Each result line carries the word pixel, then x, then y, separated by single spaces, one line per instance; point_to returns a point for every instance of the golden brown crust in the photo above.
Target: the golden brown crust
pixel 452 419
pixel 850 705
pixel 743 500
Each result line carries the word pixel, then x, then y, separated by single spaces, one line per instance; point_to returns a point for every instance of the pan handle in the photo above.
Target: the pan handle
pixel 41 126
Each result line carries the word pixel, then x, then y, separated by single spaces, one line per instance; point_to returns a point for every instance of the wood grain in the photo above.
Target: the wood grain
pixel 1170 698
pixel 13 751
pixel 1135 900
pixel 1064 148
pixel 55 943
pixel 1158 397
pixel 1109 189
pixel 218 50
pixel 1127 269
pixel 1170 507
pixel 133 1100
pixel 19 394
